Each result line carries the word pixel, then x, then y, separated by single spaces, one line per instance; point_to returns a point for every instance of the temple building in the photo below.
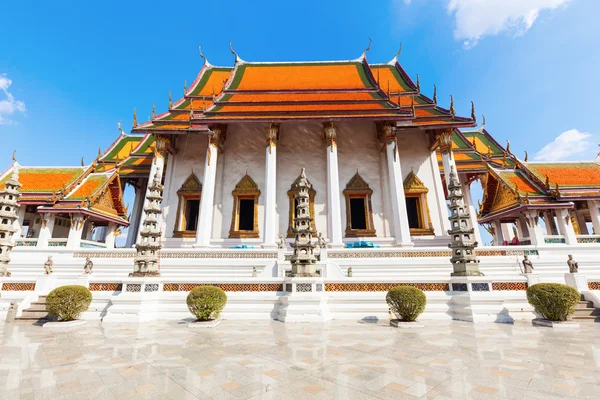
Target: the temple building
pixel 216 179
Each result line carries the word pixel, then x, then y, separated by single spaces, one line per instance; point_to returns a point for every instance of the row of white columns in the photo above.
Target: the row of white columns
pixel 76 230
pixel 400 228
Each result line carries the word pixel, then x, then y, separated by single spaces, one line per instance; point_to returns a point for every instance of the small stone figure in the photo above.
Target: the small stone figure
pixel 573 266
pixel 48 266
pixel 12 312
pixel 254 273
pixel 321 241
pixel 349 272
pixel 280 241
pixel 87 268
pixel 527 265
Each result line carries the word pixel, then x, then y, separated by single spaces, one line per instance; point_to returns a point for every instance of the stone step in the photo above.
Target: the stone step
pixel 587 304
pixel 36 307
pixel 34 313
pixel 595 318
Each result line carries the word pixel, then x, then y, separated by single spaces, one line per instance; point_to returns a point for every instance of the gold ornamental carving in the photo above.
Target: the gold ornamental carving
pixel 272 135
pixel 445 141
pixel 161 145
pixel 330 134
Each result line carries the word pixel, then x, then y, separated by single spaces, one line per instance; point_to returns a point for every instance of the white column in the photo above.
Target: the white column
pixel 205 216
pixel 595 215
pixel 498 236
pixel 565 225
pixel 445 144
pixel 77 223
pixel 18 224
pixel 334 213
pixel 550 224
pixel 536 234
pixel 270 225
pixel 136 213
pixel 466 189
pixel 507 232
pixel 400 227
pixel 442 207
pixel 110 237
pixel 522 228
pixel 48 220
pixel 581 222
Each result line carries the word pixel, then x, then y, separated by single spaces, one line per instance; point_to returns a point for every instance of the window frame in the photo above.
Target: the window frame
pixel 358 188
pixel 191 189
pixel 246 189
pixel 414 187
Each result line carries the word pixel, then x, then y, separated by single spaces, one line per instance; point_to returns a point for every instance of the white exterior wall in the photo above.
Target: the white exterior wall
pixel 302 146
pixel 358 148
pixel 413 147
pixel 244 152
pixel 191 151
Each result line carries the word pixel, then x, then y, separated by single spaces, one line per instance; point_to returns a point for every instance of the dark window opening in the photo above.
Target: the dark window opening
pixel 358 213
pixel 192 208
pixel 246 217
pixel 412 209
pixel 294 213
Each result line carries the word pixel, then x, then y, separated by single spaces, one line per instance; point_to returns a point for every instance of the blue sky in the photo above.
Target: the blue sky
pixel 70 71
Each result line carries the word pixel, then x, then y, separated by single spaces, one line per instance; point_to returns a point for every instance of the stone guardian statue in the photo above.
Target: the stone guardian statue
pixel 88 266
pixel 527 265
pixel 573 266
pixel 48 266
pixel 280 241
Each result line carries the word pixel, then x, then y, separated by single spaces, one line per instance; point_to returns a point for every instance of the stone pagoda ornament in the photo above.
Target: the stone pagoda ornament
pixel 303 259
pixel 464 261
pixel 146 259
pixel 8 215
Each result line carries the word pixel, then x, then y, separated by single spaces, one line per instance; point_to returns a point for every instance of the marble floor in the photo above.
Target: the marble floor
pixel 272 360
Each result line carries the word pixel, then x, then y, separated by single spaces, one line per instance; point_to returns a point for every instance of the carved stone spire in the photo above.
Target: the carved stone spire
pixel 146 259
pixel 8 215
pixel 303 260
pixel 464 261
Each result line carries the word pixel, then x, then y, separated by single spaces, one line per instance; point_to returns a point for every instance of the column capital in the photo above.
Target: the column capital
pixel 161 145
pixel 272 134
pixel 386 132
pixel 330 134
pixel 77 221
pixel 217 135
pixel 445 141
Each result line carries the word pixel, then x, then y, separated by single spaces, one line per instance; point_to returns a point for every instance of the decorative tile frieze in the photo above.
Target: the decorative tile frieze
pixel 106 287
pixel 594 285
pixel 303 287
pixel 513 286
pixel 134 287
pixel 151 287
pixel 387 254
pixel 588 240
pixel 383 287
pixel 228 287
pixel 480 287
pixel 219 254
pixel 18 286
pixel 459 287
pixel 103 254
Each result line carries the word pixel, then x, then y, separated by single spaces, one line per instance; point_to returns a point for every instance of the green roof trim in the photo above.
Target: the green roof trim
pixel 205 78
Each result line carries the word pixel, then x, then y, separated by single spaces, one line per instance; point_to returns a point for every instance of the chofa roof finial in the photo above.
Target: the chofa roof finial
pixel 434 95
pixel 237 57
pixel 135 123
pixel 452 106
pixel 206 63
pixel 526 156
pixel 364 55
pixel 13 156
pixel 418 84
pixel 473 117
pixel 170 99
pixel 184 87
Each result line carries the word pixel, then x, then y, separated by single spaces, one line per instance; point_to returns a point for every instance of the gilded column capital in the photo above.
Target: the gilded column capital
pixel 161 145
pixel 272 135
pixel 217 135
pixel 386 132
pixel 330 134
pixel 445 141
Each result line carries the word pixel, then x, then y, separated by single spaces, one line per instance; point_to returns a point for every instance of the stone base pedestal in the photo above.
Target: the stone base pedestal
pixel 466 269
pixel 532 279
pixel 304 301
pixel 205 324
pixel 62 325
pixel 138 302
pixel 474 301
pixel 396 323
pixel 577 281
pixel 555 324
pixel 304 270
pixel 148 274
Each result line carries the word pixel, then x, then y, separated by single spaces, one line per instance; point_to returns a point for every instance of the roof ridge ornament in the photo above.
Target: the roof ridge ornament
pixel 13 156
pixel 482 127
pixel 395 59
pixel 452 106
pixel 184 87
pixel 238 60
pixel 119 128
pixel 170 99
pixel 418 84
pixel 206 63
pixel 526 156
pixel 435 95
pixel 153 110
pixel 135 122
pixel 473 117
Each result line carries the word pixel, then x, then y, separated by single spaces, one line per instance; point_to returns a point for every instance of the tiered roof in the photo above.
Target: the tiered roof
pixel 72 189
pixel 299 91
pixel 131 154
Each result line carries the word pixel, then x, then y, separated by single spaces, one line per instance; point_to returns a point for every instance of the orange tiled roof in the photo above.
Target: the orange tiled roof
pixel 45 179
pixel 577 174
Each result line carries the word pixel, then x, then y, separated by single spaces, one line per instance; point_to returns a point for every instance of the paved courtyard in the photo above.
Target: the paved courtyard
pixel 272 360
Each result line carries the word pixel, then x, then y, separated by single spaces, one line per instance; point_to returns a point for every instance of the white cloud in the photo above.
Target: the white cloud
pixel 8 105
pixel 567 144
pixel 478 18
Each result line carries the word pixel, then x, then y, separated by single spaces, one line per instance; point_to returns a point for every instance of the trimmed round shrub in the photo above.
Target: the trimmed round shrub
pixel 554 301
pixel 206 302
pixel 66 303
pixel 406 302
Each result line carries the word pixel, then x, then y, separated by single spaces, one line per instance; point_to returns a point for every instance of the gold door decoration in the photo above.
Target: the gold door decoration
pixel 415 188
pixel 292 210
pixel 245 189
pixel 358 188
pixel 190 190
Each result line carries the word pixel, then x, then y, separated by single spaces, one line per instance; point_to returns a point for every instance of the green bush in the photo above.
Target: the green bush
pixel 65 303
pixel 406 302
pixel 206 302
pixel 554 301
